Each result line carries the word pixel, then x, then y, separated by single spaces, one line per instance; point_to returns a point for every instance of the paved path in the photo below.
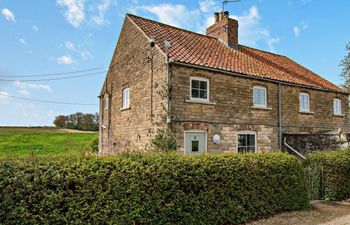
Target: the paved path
pixel 322 213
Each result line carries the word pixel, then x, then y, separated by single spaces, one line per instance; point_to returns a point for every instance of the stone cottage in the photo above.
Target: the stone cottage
pixel 212 93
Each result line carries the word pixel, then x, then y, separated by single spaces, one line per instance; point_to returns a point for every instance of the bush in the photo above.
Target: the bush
pixel 150 189
pixel 333 168
pixel 94 145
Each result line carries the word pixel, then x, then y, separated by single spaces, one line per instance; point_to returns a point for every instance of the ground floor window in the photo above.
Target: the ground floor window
pixel 246 141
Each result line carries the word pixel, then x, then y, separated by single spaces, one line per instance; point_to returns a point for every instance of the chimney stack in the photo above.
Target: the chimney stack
pixel 225 29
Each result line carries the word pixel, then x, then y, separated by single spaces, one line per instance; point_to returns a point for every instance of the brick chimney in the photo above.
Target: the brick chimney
pixel 225 29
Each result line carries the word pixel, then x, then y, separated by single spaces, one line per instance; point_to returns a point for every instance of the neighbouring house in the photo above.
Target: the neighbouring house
pixel 212 93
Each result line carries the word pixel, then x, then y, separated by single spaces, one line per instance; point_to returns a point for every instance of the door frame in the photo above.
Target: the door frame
pixel 196 131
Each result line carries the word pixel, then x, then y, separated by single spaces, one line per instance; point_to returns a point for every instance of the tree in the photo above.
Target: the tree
pixel 78 121
pixel 345 74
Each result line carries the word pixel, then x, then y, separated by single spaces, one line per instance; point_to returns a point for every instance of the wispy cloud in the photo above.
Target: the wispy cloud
pixel 65 59
pixel 298 29
pixel 75 14
pixel 23 41
pixel 251 30
pixel 27 86
pixel 35 28
pixel 101 9
pixel 8 15
pixel 85 54
pixel 4 99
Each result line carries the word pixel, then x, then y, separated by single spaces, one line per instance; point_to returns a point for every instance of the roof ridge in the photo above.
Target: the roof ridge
pixel 272 53
pixel 171 26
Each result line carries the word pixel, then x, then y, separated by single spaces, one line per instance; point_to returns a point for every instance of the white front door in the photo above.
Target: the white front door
pixel 195 142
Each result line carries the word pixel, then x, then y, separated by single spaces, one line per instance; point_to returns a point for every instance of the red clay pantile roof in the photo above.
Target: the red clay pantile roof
pixel 201 50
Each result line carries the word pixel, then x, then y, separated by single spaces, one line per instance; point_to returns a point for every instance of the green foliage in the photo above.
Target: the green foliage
pixel 333 169
pixel 150 189
pixel 94 145
pixel 78 121
pixel 345 63
pixel 164 140
pixel 45 144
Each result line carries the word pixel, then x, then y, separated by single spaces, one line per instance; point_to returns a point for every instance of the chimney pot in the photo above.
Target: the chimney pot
pixel 226 13
pixel 217 17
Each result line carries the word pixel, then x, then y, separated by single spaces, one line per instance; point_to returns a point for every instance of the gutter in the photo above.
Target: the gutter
pixel 255 77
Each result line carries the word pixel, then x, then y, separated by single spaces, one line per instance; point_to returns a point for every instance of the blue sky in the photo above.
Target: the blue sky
pixel 43 37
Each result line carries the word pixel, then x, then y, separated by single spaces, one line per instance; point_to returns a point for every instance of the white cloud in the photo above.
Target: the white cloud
pixel 298 29
pixel 75 14
pixel 85 54
pixel 208 6
pixel 26 86
pixel 22 41
pixel 175 15
pixel 8 15
pixel 252 32
pixel 35 28
pixel 4 99
pixel 65 59
pixel 24 92
pixel 101 9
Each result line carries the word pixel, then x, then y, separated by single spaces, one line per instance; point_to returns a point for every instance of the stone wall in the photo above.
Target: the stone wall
pixel 131 66
pixel 230 109
pixel 309 143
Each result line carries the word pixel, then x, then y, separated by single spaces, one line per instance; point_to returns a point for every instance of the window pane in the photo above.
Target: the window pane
pixel 195 146
pixel 259 96
pixel 195 93
pixel 195 84
pixel 203 85
pixel 241 149
pixel 203 94
pixel 241 140
pixel 251 140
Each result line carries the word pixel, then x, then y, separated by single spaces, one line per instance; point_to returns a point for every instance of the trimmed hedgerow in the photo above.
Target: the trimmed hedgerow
pixel 150 189
pixel 333 170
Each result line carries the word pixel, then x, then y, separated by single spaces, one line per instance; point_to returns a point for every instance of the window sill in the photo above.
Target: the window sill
pixel 305 112
pixel 261 107
pixel 200 102
pixel 339 115
pixel 126 108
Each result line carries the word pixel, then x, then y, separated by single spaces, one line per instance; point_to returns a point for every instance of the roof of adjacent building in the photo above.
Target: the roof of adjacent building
pixel 208 52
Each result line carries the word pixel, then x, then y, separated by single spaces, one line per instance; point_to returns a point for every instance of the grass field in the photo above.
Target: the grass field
pixel 22 141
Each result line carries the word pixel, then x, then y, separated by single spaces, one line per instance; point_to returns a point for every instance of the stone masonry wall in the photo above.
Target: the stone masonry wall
pixel 130 129
pixel 230 110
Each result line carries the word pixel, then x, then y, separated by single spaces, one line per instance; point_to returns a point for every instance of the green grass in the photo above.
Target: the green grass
pixel 20 141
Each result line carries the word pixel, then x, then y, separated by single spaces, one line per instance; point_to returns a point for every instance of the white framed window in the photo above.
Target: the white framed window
pixel 199 89
pixel 106 102
pixel 304 100
pixel 126 98
pixel 259 96
pixel 337 106
pixel 246 141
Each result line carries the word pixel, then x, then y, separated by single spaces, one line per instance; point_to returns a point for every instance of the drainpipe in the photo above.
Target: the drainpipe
pixel 280 116
pixel 167 45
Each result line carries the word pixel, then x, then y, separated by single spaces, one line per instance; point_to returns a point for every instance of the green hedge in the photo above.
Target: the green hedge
pixel 329 175
pixel 150 189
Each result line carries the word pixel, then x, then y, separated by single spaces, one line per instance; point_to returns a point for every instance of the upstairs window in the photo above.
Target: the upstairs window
pixel 199 89
pixel 126 98
pixel 259 96
pixel 304 99
pixel 337 106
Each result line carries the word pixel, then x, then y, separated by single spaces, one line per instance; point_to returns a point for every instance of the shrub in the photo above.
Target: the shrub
pixel 150 189
pixel 163 140
pixel 94 145
pixel 333 170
